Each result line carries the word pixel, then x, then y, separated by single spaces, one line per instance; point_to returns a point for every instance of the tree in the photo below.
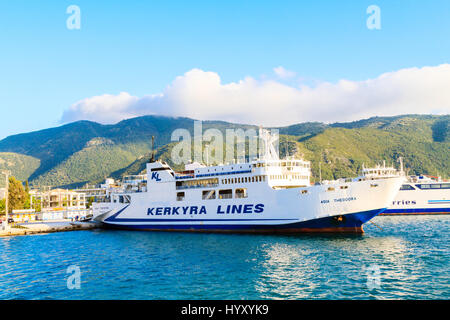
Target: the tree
pixel 89 202
pixel 37 206
pixel 17 197
pixel 2 206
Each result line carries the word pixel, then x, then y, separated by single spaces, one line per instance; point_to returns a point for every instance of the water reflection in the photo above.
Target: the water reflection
pixel 412 256
pixel 326 267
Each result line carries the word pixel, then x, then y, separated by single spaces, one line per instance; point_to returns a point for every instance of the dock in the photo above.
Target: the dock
pixel 46 227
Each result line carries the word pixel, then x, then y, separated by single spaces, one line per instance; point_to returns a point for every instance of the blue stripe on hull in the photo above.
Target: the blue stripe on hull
pixel 417 210
pixel 348 223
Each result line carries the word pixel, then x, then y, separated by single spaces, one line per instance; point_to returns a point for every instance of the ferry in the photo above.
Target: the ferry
pixel 418 194
pixel 265 195
pixel 421 195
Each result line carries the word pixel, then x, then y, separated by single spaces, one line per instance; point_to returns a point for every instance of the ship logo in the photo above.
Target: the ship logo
pixel 155 176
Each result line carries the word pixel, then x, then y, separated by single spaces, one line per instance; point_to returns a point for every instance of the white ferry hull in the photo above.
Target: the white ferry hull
pixel 321 208
pixel 420 201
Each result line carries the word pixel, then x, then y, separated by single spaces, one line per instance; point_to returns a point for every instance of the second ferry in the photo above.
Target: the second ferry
pixel 266 195
pixel 417 195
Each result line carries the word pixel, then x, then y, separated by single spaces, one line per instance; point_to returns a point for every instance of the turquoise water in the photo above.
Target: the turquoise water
pixel 408 259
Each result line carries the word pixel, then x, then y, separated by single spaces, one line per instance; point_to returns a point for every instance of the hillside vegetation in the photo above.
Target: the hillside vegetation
pixel 19 165
pixel 87 152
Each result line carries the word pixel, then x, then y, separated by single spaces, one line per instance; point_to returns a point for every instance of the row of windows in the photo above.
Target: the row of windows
pixel 239 193
pixel 285 177
pixel 201 183
pixel 434 186
pixel 244 180
pixel 431 186
pixel 282 164
pixel 333 189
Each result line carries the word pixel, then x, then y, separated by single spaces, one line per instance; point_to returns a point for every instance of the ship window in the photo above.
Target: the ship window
pixel 330 189
pixel 226 194
pixel 304 191
pixel 423 186
pixel 445 186
pixel 435 186
pixel 208 194
pixel 180 196
pixel 407 187
pixel 344 187
pixel 241 193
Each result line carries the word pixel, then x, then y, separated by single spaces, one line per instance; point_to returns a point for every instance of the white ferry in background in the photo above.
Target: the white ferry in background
pixel 418 195
pixel 264 195
pixel 421 195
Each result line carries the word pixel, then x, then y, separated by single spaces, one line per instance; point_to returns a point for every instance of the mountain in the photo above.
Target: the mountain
pixel 87 152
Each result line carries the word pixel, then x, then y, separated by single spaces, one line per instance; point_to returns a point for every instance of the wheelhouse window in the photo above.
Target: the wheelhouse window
pixel 241 193
pixel 226 194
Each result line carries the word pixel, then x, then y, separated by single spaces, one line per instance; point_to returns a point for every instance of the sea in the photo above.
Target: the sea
pixel 398 257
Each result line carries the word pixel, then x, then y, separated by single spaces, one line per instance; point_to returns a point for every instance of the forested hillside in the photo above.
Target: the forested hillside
pixel 87 152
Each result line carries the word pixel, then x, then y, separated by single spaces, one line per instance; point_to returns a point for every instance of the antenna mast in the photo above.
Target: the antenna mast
pixel 153 150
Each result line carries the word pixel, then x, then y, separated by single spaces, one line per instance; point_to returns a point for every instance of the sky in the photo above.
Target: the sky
pixel 260 62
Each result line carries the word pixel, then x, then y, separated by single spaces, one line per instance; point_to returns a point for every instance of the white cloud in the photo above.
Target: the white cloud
pixel 201 95
pixel 282 73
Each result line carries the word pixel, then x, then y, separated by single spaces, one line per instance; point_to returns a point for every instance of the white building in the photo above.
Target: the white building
pixel 59 200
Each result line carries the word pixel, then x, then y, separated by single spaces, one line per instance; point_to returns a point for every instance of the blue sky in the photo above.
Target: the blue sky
pixel 140 47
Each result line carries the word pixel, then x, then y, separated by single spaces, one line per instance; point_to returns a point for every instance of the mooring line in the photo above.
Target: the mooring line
pixel 377 225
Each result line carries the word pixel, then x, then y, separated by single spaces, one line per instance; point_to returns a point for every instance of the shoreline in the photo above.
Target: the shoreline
pixel 47 227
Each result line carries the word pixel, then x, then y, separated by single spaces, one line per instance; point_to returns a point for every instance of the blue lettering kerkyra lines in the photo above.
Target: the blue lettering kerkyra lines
pixel 167 211
pixel 155 176
pixel 191 210
pixel 241 208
